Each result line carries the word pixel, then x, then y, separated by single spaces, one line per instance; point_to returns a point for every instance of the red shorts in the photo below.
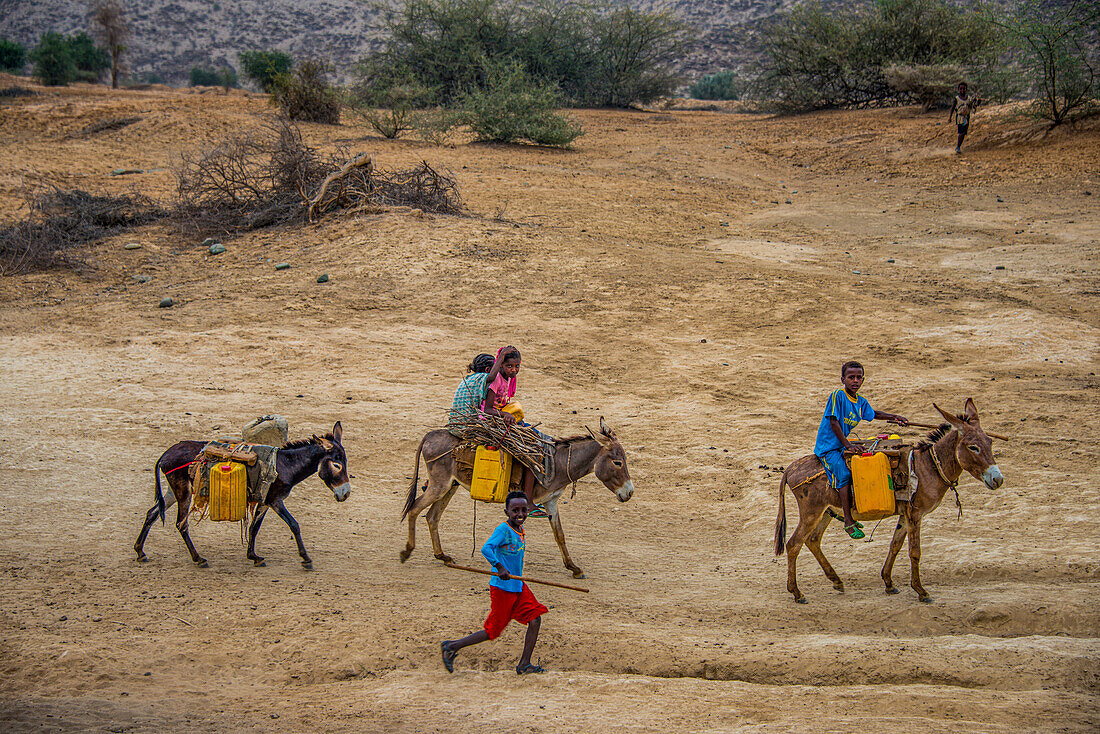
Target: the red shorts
pixel 521 606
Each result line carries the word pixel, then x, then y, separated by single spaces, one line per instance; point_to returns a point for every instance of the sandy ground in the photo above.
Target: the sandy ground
pixel 696 277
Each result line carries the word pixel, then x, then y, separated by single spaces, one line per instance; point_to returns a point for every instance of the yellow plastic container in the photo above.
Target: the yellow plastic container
pixel 872 485
pixel 492 471
pixel 515 409
pixel 228 491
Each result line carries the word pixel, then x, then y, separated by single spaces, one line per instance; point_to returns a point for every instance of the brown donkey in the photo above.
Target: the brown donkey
pixel 939 461
pixel 573 458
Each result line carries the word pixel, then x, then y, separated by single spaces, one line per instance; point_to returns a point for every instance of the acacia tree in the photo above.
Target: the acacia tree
pixel 1054 39
pixel 111 27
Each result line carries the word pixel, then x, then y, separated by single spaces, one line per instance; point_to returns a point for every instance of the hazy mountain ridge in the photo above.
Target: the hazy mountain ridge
pixel 171 36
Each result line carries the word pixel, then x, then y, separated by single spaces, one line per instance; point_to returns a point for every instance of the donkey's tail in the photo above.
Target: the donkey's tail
pixel 411 499
pixel 158 496
pixel 781 520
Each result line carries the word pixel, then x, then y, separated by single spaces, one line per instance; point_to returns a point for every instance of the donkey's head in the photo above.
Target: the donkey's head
pixel 974 450
pixel 610 467
pixel 333 469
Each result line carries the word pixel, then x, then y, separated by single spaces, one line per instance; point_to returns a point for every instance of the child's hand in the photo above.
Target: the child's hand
pixel 504 575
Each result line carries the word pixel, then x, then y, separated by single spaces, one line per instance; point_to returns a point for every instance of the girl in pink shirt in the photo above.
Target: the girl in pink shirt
pixel 501 388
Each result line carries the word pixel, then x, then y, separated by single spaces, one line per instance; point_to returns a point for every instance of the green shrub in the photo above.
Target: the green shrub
pixel 435 126
pixel 511 106
pixel 387 99
pixel 91 61
pixel 202 77
pixel 12 56
pixel 814 58
pixel 596 53
pixel 305 94
pixel 264 67
pixel 722 85
pixel 53 60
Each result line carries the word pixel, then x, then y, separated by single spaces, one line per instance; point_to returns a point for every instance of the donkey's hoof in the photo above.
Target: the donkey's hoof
pixel 405 555
pixel 800 600
pixel 202 563
pixel 307 565
pixel 926 599
pixel 839 586
pixel 258 562
pixel 143 558
pixel 579 574
pixel 892 590
pixel 445 558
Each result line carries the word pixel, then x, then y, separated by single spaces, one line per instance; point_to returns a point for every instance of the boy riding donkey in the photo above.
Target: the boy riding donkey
pixel 844 410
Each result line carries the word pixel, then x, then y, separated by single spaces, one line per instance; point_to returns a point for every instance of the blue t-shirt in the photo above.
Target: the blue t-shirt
pixel 505 546
pixel 848 413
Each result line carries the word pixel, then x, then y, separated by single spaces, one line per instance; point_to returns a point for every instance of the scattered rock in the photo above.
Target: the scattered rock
pixel 132 246
pixel 322 278
pixel 126 171
pixel 142 278
pixel 999 267
pixel 702 341
pixel 166 303
pixel 208 241
pixel 890 260
pixel 1000 200
pixel 62 618
pixel 217 248
pixel 282 266
pixel 856 272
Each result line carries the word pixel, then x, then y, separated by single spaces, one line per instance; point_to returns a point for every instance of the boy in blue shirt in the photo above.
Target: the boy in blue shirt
pixel 845 409
pixel 510 598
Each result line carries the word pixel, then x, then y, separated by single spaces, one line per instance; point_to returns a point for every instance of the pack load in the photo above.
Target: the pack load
pixel 228 491
pixel 524 444
pixel 872 485
pixel 491 475
pixel 223 472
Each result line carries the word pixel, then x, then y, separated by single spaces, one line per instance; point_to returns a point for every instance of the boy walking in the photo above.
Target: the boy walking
pixel 845 409
pixel 961 108
pixel 510 598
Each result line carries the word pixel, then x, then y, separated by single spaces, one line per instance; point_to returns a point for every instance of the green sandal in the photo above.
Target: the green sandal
pixel 854 532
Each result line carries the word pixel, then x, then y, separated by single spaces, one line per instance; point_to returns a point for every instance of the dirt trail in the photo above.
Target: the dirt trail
pixel 696 277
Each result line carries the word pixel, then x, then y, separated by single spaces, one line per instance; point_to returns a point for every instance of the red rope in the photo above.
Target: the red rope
pixel 181 467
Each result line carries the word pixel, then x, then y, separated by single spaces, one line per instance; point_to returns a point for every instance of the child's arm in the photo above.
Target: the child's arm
pixel 489 550
pixel 892 417
pixel 954 103
pixel 835 425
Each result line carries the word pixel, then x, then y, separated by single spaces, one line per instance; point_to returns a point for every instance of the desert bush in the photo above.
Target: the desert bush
pixel 264 67
pixel 814 58
pixel 12 56
pixel 597 53
pixel 435 126
pixel 60 222
pixel 203 77
pixel 511 106
pixel 305 94
pixel 53 60
pixel 723 85
pixel 388 105
pixel 930 85
pixel 91 60
pixel 1054 41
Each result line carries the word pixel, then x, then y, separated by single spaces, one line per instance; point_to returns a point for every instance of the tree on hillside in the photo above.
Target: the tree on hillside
pixel 265 67
pixel 1054 38
pixel 91 60
pixel 53 60
pixel 12 56
pixel 112 28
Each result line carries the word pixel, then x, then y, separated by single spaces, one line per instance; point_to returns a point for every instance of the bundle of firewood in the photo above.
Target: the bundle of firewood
pixel 524 443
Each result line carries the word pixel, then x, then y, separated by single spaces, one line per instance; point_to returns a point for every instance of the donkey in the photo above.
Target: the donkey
pixel 297 460
pixel 574 458
pixel 938 461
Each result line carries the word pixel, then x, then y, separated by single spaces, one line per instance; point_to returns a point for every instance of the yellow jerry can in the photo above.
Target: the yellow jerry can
pixel 492 470
pixel 228 491
pixel 871 483
pixel 515 409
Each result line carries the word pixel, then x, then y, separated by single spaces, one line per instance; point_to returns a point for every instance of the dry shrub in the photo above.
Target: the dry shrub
pixel 102 126
pixel 271 177
pixel 61 221
pixel 305 94
pixel 930 85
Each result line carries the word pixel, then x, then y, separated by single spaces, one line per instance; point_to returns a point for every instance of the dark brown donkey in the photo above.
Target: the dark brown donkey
pixel 321 455
pixel 939 461
pixel 573 458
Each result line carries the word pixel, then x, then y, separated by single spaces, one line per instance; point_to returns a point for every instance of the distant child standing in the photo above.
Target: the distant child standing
pixel 509 598
pixel 844 410
pixel 961 108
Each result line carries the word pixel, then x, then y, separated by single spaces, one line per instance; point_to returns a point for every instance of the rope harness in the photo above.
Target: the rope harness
pixel 953 486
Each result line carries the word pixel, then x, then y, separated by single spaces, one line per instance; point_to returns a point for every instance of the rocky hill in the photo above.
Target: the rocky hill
pixel 171 36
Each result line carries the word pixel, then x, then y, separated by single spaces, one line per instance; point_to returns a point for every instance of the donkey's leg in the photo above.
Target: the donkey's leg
pixel 181 523
pixel 150 518
pixel 253 531
pixel 284 513
pixel 914 560
pixel 432 516
pixel 559 536
pixel 435 489
pixel 813 542
pixel 895 547
pixel 794 545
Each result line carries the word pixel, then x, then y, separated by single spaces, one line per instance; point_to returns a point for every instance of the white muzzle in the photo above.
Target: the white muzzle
pixel 626 491
pixel 993 477
pixel 341 493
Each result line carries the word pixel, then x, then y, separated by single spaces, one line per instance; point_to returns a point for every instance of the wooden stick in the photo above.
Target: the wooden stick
pixel 518 578
pixel 933 425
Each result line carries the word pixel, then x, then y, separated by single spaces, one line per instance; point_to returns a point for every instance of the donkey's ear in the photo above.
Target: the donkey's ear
pixel 605 430
pixel 971 411
pixel 953 420
pixel 598 438
pixel 338 433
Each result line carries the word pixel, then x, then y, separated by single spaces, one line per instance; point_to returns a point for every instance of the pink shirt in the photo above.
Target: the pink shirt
pixel 504 390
